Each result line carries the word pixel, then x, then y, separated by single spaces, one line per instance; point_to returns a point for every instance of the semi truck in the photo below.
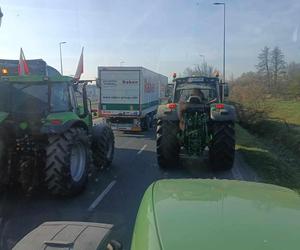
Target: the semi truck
pixel 129 96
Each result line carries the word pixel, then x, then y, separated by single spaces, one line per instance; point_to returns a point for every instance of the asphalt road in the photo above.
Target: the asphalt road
pixel 112 196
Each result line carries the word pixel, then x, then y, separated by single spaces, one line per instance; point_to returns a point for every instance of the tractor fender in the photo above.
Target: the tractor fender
pixel 61 128
pixel 164 113
pixel 228 113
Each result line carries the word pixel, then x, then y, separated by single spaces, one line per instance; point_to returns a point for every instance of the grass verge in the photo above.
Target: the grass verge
pixel 269 162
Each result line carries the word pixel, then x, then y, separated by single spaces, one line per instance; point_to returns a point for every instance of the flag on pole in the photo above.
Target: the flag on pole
pixel 79 70
pixel 22 66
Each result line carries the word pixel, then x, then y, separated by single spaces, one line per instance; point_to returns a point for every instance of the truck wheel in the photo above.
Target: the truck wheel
pixel 167 146
pixel 146 123
pixel 67 162
pixel 103 145
pixel 4 178
pixel 222 147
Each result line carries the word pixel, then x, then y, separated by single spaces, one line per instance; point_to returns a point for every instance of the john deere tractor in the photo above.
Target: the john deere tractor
pixel 47 134
pixel 196 118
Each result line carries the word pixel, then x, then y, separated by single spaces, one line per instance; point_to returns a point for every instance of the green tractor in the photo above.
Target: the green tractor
pixel 47 134
pixel 195 119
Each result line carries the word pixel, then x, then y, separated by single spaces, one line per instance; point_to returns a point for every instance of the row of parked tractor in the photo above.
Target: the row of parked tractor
pixel 48 135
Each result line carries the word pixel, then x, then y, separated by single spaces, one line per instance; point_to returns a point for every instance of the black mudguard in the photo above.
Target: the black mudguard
pixel 59 129
pixel 228 113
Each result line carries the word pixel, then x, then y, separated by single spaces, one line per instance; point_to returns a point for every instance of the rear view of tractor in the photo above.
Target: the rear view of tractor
pixel 196 118
pixel 47 134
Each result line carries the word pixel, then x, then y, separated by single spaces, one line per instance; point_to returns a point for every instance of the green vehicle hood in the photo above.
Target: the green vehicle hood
pixel 220 214
pixel 3 116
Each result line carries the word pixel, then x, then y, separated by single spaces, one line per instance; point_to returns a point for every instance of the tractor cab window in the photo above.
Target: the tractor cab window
pixel 4 96
pixel 73 98
pixel 29 98
pixel 205 94
pixel 60 98
pixel 79 100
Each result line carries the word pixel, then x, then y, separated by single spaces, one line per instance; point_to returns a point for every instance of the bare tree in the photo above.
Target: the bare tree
pixel 278 64
pixel 263 66
pixel 200 70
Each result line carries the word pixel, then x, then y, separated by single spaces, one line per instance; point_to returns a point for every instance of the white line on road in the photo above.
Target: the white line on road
pixel 101 196
pixel 142 149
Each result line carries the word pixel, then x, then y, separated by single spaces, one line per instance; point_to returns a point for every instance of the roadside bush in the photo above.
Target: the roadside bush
pixel 249 99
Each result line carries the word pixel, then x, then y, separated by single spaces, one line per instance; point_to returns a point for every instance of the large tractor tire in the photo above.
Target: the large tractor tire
pixel 167 146
pixel 67 162
pixel 4 178
pixel 222 147
pixel 103 145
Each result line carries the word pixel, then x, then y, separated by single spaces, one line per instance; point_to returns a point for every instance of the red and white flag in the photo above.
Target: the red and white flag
pixel 22 66
pixel 79 70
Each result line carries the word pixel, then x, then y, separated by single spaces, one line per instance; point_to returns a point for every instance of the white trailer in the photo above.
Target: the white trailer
pixel 129 96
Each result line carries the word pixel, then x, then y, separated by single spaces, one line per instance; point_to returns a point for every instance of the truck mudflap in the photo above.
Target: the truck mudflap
pixel 125 127
pixel 124 123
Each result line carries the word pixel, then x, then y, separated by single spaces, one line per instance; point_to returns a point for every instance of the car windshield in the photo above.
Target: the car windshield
pixel 101 98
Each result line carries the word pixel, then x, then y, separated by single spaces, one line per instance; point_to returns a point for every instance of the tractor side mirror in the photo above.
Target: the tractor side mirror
pixel 98 83
pixel 226 90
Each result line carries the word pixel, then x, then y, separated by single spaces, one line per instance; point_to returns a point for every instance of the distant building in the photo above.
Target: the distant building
pixel 36 67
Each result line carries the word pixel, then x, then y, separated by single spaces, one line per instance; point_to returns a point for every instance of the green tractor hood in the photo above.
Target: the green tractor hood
pixel 3 116
pixel 217 214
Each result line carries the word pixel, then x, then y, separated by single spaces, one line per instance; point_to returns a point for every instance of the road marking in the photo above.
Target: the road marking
pixel 101 196
pixel 142 149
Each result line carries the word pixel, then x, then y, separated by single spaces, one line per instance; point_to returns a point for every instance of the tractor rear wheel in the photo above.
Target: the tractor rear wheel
pixel 103 146
pixel 67 162
pixel 222 147
pixel 4 178
pixel 167 146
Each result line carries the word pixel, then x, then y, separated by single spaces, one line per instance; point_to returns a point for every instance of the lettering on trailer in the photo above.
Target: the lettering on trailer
pixel 149 87
pixel 130 81
pixel 109 82
pixel 121 97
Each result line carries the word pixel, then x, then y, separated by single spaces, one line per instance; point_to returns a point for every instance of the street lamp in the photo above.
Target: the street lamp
pixel 224 5
pixel 1 15
pixel 203 56
pixel 61 65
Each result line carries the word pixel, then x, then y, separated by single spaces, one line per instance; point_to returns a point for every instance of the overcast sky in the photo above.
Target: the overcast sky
pixel 163 35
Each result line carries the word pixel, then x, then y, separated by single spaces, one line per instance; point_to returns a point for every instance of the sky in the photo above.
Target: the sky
pixel 165 36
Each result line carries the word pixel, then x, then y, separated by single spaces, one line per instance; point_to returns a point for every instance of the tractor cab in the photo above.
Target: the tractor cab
pixel 37 99
pixel 196 90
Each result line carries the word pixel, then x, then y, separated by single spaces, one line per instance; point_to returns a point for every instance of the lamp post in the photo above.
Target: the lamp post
pixel 203 56
pixel 224 5
pixel 1 15
pixel 61 64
